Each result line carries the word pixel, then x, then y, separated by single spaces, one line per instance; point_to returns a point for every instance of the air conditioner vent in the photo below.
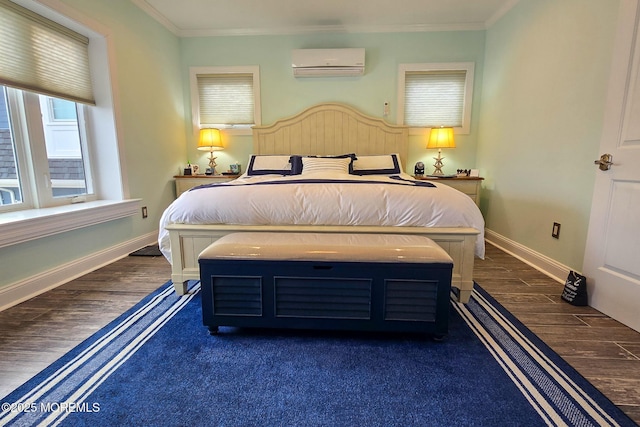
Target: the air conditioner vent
pixel 347 62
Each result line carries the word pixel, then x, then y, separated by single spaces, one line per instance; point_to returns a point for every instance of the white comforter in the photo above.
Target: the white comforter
pixel 384 202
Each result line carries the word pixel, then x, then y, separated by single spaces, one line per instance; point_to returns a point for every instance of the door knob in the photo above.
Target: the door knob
pixel 605 162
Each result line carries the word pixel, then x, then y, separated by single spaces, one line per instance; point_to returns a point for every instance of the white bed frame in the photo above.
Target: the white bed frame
pixel 324 129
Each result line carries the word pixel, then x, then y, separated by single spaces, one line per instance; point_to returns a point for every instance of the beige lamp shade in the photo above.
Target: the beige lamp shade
pixel 210 140
pixel 441 138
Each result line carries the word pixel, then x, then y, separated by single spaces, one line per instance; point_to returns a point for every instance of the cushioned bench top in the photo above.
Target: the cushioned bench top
pixel 395 248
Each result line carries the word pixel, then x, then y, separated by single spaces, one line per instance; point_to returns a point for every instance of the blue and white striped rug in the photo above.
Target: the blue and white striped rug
pixel 157 365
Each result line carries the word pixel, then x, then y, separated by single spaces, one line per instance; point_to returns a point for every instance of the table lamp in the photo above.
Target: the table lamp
pixel 210 141
pixel 440 138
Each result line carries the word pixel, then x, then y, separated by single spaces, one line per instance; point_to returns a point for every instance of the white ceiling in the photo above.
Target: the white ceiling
pixel 259 17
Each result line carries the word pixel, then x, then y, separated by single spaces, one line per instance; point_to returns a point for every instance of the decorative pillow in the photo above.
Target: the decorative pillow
pixel 269 165
pixel 386 164
pixel 325 164
pixel 296 161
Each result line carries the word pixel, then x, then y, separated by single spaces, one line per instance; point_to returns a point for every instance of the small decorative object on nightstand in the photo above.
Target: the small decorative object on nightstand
pixel 210 141
pixel 440 138
pixel 235 168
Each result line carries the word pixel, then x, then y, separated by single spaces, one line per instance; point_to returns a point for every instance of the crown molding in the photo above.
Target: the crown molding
pixel 320 29
pixel 323 29
pixel 500 13
pixel 153 12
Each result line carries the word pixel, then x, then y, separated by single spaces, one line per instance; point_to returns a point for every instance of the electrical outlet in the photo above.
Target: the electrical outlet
pixel 145 213
pixel 555 232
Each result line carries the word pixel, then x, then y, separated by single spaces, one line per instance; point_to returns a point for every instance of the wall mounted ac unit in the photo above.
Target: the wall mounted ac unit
pixel 327 62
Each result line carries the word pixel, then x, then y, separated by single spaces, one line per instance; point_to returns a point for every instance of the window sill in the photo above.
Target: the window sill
pixel 21 226
pixel 424 131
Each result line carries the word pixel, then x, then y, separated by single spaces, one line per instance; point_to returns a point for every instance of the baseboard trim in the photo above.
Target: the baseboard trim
pixel 30 287
pixel 542 263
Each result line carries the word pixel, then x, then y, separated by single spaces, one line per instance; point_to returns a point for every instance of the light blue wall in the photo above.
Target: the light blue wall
pixel 545 76
pixel 283 95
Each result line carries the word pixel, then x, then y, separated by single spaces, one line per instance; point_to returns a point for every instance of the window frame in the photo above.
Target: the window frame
pixel 32 160
pixel 15 110
pixel 468 67
pixel 254 70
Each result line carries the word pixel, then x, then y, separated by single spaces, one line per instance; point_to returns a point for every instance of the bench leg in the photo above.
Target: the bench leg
pixel 181 288
pixel 439 337
pixel 464 296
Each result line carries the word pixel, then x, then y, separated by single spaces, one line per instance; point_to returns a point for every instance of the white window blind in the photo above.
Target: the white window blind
pixel 42 56
pixel 226 99
pixel 434 98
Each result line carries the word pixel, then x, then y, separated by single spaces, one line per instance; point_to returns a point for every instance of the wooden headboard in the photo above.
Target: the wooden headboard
pixel 331 129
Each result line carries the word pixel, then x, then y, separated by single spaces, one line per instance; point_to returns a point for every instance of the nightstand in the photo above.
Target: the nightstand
pixel 469 185
pixel 186 182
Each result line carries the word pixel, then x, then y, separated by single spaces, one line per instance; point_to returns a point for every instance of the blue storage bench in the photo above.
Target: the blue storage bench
pixel 367 282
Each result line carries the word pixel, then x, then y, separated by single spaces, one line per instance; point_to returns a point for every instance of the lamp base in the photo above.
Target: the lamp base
pixel 438 164
pixel 212 164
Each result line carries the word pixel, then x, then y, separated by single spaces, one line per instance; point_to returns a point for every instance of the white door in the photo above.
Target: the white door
pixel 612 256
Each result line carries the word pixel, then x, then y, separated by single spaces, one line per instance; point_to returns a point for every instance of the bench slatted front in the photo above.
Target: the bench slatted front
pixel 326 281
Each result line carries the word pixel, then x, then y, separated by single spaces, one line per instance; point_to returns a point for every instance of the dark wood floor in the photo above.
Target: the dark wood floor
pixel 35 333
pixel 604 351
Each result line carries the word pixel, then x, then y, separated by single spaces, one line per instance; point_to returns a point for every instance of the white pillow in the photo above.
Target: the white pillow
pixel 267 165
pixel 386 164
pixel 323 164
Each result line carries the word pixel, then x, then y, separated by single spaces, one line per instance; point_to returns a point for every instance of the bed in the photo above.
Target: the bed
pixel 346 175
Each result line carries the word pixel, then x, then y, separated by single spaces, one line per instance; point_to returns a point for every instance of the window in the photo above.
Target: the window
pixel 44 79
pixel 61 109
pixel 43 152
pixel 226 98
pixel 46 96
pixel 432 95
